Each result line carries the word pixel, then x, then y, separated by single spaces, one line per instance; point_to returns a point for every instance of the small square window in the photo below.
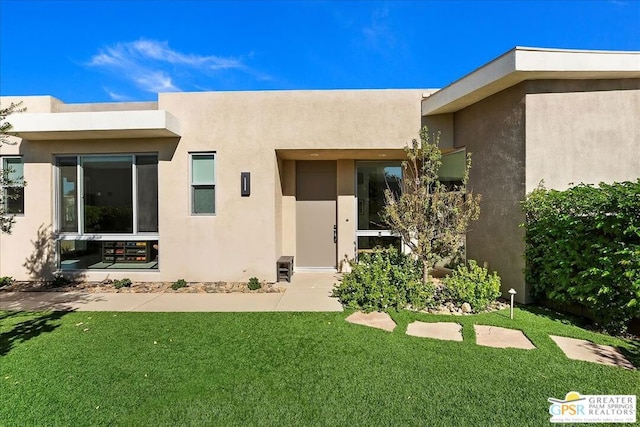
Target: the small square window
pixel 202 181
pixel 13 185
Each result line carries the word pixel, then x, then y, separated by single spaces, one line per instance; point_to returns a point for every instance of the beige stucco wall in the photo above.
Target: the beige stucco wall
pixel 582 137
pixel 441 129
pixel 17 247
pixel 492 130
pixel 247 234
pixel 288 208
pixel 562 132
pixel 32 104
pixel 27 253
pixel 245 129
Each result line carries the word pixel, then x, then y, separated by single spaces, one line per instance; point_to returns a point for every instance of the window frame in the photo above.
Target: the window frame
pixel 451 183
pixel 371 232
pixel 19 184
pixel 193 185
pixel 80 233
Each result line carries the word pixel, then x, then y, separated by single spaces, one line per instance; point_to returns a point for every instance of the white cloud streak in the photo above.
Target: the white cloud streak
pixel 148 64
pixel 377 35
pixel 160 51
pixel 115 95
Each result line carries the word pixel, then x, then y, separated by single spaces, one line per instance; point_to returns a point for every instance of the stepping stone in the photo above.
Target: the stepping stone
pixel 494 336
pixel 586 350
pixel 440 330
pixel 374 320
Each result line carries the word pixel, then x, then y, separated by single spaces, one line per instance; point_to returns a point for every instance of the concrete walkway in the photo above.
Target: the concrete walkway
pixel 306 292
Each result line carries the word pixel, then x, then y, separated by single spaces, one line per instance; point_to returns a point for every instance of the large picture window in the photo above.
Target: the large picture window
pixel 107 211
pixel 13 190
pixel 115 194
pixel 374 178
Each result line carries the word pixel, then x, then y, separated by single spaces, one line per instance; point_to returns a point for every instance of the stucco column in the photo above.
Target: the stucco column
pixel 289 208
pixel 346 219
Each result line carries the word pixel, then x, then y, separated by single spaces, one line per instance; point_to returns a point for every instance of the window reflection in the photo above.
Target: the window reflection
pixel 373 179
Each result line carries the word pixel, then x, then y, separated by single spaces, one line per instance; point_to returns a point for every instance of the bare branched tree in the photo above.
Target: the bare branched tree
pixel 7 181
pixel 432 217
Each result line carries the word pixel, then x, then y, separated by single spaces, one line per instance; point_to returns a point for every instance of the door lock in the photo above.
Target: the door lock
pixel 335 234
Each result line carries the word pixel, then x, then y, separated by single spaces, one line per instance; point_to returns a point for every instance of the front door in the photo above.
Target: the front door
pixel 316 193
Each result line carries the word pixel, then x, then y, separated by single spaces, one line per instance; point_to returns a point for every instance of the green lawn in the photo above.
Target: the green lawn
pixel 285 369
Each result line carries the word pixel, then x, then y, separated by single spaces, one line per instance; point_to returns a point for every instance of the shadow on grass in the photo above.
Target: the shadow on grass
pixel 28 329
pixel 632 353
pixel 9 314
pixel 548 313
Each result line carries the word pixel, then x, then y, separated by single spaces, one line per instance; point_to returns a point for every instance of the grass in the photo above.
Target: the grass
pixel 285 369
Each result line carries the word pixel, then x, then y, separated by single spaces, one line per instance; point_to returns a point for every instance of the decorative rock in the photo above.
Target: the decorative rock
pixel 345 266
pixel 466 307
pixel 106 286
pixel 495 336
pixel 440 330
pixel 375 320
pixel 585 350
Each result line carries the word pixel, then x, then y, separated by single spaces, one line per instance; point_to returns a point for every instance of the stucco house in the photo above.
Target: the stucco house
pixel 218 185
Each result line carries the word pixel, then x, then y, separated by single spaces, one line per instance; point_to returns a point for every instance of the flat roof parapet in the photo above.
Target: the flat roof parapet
pixel 527 63
pixel 107 106
pixel 95 125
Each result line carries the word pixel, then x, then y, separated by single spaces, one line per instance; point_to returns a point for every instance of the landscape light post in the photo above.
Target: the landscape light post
pixel 512 292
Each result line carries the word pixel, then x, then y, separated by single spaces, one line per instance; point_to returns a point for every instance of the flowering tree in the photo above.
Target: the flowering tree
pixel 432 217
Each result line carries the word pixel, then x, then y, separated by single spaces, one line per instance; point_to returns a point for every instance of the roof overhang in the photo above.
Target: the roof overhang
pixel 342 153
pixel 346 153
pixel 524 63
pixel 95 125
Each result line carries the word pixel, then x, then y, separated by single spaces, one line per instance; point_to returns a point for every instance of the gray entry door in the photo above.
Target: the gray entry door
pixel 316 191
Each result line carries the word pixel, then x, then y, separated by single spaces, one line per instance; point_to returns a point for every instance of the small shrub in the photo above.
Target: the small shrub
pixel 180 283
pixel 254 284
pixel 122 283
pixel 382 280
pixel 59 281
pixel 472 284
pixel 5 281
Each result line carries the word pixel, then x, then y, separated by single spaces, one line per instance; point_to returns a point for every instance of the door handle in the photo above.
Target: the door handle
pixel 335 234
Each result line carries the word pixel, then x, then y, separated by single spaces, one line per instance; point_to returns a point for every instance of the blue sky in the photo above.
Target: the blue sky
pixel 99 51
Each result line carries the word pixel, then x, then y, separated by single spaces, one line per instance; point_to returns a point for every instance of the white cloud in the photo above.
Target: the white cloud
pixel 156 81
pixel 377 35
pixel 152 65
pixel 160 51
pixel 116 96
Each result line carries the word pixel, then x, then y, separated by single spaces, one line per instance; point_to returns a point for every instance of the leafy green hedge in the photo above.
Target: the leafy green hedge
pixel 583 246
pixel 382 280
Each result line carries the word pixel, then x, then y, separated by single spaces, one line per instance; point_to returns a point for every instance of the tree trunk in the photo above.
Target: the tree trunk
pixel 426 272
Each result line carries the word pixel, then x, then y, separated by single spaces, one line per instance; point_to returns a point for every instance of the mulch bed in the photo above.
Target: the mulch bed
pixel 142 287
